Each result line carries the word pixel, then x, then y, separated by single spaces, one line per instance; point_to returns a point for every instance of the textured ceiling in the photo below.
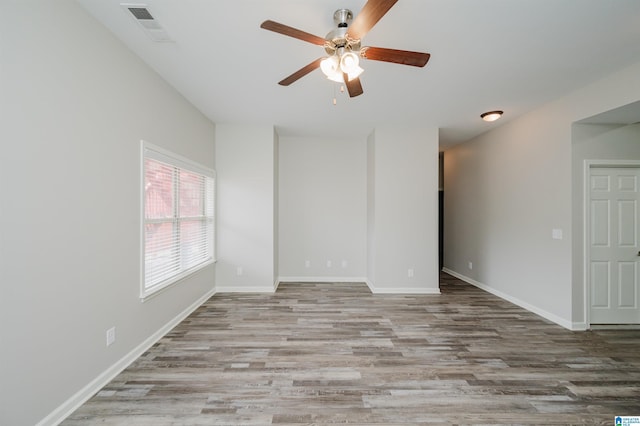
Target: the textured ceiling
pixel 491 54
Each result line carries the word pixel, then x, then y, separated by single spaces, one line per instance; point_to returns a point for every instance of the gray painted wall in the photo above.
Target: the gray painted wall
pixel 404 236
pixel 246 207
pixel 75 104
pixel 594 142
pixel 322 208
pixel 508 189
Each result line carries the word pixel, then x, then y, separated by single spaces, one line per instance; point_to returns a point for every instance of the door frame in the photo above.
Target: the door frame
pixel 588 165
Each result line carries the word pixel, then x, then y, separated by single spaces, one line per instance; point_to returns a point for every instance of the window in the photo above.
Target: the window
pixel 177 220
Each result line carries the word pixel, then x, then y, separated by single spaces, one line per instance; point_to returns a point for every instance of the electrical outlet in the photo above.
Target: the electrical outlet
pixel 410 273
pixel 329 264
pixel 470 265
pixel 345 264
pixel 307 264
pixel 239 271
pixel 111 336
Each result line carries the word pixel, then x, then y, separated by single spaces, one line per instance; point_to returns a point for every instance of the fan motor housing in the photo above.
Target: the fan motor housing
pixel 337 38
pixel 342 17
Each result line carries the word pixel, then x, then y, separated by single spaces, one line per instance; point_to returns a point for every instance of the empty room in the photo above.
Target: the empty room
pixel 319 212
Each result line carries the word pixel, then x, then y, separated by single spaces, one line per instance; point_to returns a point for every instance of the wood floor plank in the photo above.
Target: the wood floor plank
pixel 334 353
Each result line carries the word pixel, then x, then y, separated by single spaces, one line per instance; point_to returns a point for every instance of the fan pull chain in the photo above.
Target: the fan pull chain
pixel 335 97
pixel 335 92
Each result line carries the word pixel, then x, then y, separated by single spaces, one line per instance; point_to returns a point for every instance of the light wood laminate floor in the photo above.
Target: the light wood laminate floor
pixel 335 353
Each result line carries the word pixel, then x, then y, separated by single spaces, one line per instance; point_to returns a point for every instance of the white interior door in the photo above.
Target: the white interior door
pixel 614 234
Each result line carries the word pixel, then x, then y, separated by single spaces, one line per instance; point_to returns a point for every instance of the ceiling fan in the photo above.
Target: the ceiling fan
pixel 343 45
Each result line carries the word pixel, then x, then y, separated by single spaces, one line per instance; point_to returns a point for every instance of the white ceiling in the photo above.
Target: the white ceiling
pixel 512 55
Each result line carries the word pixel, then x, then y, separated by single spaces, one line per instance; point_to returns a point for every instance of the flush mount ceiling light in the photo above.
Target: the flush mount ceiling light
pixel 343 46
pixel 491 115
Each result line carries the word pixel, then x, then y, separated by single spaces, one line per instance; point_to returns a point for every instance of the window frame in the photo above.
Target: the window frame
pixel 156 153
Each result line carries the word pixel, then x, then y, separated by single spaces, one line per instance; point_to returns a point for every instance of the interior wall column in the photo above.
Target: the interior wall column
pixel 246 212
pixel 402 180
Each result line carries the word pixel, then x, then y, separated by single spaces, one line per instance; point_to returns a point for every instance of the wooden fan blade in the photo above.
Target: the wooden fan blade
pixel 301 72
pixel 353 87
pixel 405 57
pixel 370 14
pixel 292 32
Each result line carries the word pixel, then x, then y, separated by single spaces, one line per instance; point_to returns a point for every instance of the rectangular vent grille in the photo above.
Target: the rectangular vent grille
pixel 147 22
pixel 140 12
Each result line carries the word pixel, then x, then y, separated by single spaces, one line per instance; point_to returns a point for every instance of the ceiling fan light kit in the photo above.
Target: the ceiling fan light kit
pixel 491 115
pixel 343 45
pixel 330 67
pixel 336 66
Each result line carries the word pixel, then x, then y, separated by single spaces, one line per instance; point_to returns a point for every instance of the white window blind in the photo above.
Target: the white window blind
pixel 178 218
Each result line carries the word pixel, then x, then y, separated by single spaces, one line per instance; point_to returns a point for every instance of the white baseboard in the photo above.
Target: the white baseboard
pixel 72 404
pixel 245 289
pixel 402 290
pixel 579 326
pixel 405 290
pixel 322 280
pixel 374 289
pixel 370 285
pixel 529 307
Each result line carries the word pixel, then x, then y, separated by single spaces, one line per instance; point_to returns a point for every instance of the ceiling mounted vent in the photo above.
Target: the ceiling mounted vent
pixel 140 13
pixel 147 22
